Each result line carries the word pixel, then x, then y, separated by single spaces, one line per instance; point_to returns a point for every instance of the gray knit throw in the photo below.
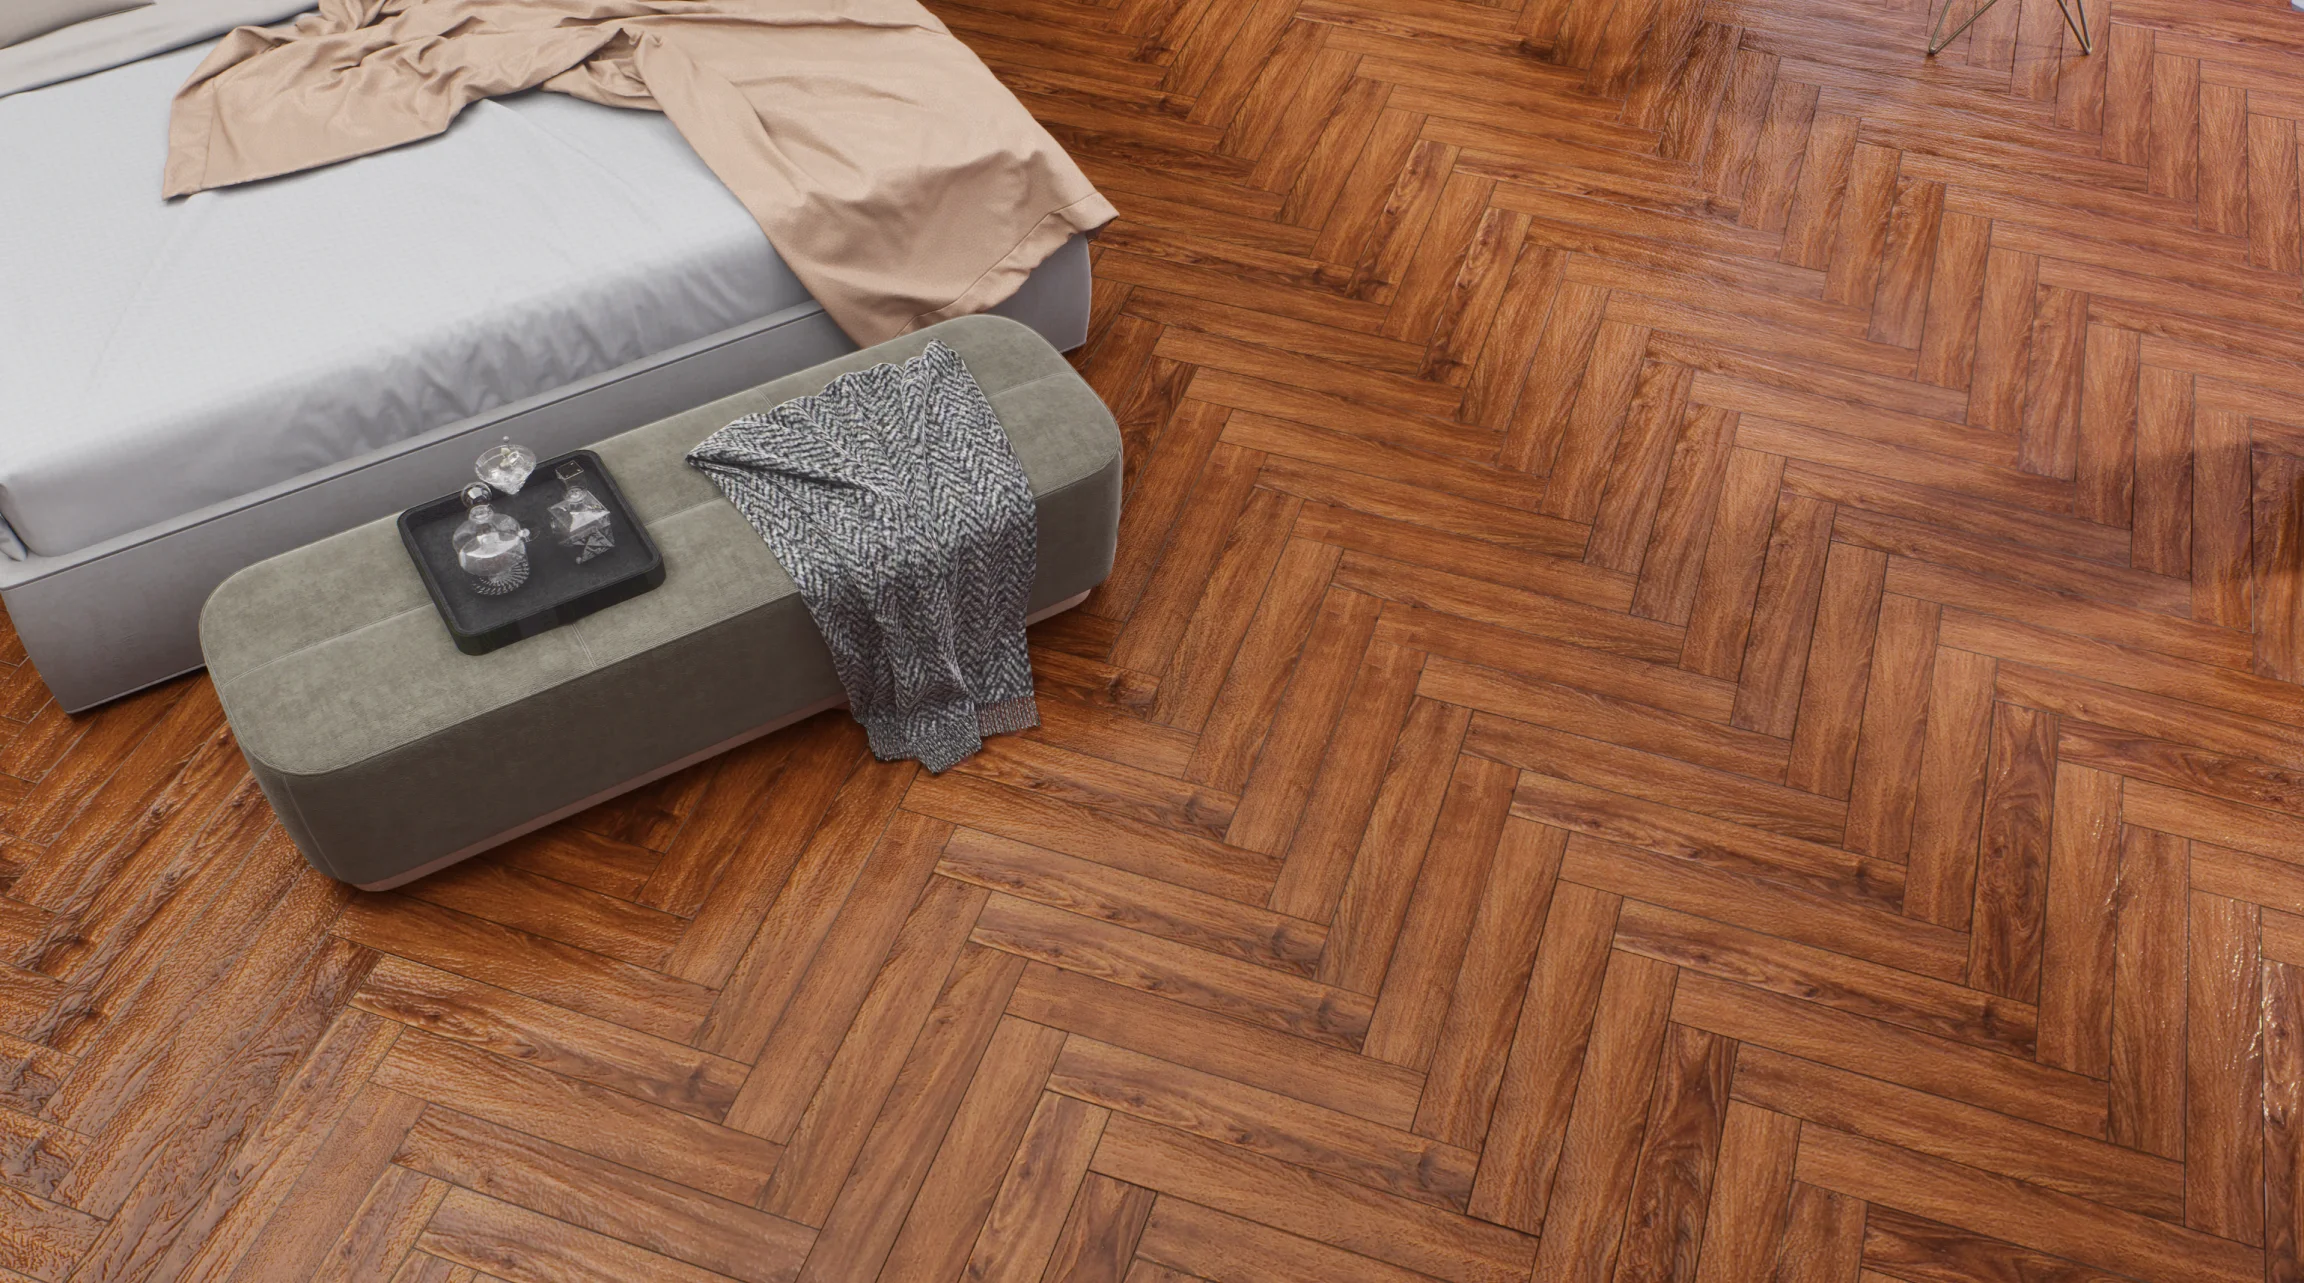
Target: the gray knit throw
pixel 894 502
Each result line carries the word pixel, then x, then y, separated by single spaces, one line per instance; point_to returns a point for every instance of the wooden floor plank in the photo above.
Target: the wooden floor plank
pixel 997 1119
pixel 2149 994
pixel 2088 1168
pixel 1204 1243
pixel 1744 1229
pixel 1609 1123
pixel 1469 1057
pixel 2224 1073
pixel 861 1205
pixel 1429 951
pixel 1337 1212
pixel 1529 1126
pixel 1043 1178
pixel 1671 1186
pixel 574 1187
pixel 1100 1233
pixel 575 1046
pixel 508 1242
pixel 2002 1083
pixel 701 1155
pixel 2120 1241
pixel 1239 1051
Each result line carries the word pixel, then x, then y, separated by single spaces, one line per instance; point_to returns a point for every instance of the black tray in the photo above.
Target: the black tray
pixel 559 589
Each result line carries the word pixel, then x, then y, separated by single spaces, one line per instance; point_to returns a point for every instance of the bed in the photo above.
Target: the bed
pixel 189 387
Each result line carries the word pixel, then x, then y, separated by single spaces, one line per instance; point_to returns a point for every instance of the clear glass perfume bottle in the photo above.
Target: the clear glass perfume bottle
pixel 505 466
pixel 580 520
pixel 490 545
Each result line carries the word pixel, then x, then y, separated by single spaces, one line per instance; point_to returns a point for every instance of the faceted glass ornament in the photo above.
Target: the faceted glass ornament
pixel 505 466
pixel 580 520
pixel 490 545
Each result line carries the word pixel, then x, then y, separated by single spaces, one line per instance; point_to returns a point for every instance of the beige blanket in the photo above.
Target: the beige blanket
pixel 902 183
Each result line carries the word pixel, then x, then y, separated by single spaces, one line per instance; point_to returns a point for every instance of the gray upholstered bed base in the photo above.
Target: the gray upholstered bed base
pixel 124 614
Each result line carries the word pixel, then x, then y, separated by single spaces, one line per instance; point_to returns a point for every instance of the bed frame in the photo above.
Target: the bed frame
pixel 124 614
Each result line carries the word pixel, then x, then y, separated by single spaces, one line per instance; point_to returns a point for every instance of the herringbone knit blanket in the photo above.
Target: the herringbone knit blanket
pixel 894 502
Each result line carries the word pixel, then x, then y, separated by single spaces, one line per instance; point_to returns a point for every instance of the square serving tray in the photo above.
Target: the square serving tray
pixel 559 588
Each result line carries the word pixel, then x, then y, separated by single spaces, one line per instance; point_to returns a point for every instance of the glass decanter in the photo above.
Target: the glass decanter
pixel 582 523
pixel 490 545
pixel 505 466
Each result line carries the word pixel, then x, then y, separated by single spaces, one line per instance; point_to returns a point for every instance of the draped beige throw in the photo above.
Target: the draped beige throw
pixel 902 183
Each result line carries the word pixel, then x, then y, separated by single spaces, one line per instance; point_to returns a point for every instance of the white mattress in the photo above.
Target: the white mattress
pixel 156 358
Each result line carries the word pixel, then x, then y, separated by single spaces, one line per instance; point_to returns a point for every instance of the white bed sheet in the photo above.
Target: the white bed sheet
pixel 158 357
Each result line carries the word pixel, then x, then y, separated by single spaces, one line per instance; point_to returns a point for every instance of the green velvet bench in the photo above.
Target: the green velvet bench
pixel 390 754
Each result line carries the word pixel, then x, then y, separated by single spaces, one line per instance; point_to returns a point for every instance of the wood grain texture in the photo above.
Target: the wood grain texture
pixel 2080 955
pixel 2006 930
pixel 2224 1072
pixel 1698 685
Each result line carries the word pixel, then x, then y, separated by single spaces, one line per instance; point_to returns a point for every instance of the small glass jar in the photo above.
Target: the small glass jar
pixel 582 523
pixel 505 466
pixel 490 545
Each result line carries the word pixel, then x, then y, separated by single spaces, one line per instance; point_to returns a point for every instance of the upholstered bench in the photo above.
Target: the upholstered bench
pixel 389 754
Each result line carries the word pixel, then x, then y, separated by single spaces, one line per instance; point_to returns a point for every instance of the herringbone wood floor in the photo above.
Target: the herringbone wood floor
pixel 1698 687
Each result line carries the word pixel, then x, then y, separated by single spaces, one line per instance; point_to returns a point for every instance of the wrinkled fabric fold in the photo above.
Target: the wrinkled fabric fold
pixel 902 183
pixel 894 501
